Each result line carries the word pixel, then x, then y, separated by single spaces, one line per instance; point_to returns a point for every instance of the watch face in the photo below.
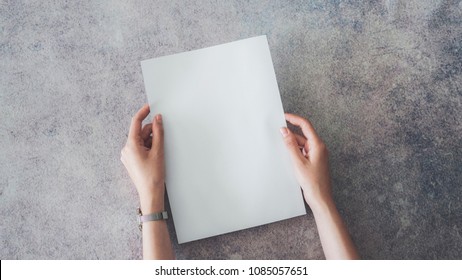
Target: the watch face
pixel 165 215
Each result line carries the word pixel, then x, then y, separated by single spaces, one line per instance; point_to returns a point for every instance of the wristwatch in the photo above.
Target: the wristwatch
pixel 151 217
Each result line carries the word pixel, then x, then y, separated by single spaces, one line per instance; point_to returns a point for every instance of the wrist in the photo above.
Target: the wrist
pixel 152 206
pixel 323 208
pixel 152 201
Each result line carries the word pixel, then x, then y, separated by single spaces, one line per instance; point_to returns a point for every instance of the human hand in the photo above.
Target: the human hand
pixel 310 158
pixel 143 157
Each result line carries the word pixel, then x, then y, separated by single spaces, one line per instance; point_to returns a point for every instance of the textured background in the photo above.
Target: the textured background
pixel 380 80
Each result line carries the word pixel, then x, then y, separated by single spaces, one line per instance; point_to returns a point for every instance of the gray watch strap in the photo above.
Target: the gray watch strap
pixel 154 217
pixel 150 217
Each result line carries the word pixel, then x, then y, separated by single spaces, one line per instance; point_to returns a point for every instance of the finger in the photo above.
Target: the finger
pixel 146 131
pixel 302 144
pixel 135 126
pixel 305 125
pixel 157 135
pixel 148 143
pixel 300 140
pixel 146 135
pixel 291 143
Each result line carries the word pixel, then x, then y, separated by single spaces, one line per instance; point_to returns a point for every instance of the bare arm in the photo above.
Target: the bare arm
pixel 335 239
pixel 156 240
pixel 143 157
pixel 310 158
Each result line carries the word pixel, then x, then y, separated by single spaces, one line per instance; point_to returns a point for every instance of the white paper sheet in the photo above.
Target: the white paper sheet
pixel 226 163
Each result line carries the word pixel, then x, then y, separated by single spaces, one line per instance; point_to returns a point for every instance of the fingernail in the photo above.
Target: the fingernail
pixel 284 131
pixel 159 118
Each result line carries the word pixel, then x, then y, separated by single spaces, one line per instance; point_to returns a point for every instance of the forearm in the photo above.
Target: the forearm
pixel 335 239
pixel 156 239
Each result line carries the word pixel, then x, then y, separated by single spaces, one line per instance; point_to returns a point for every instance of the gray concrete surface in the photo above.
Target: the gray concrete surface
pixel 380 80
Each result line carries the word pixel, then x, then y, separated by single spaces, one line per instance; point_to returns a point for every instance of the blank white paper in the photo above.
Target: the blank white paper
pixel 227 168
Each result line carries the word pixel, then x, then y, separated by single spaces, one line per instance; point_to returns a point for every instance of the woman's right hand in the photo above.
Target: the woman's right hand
pixel 310 158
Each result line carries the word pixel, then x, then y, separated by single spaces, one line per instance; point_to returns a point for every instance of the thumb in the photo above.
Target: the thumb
pixel 157 135
pixel 292 145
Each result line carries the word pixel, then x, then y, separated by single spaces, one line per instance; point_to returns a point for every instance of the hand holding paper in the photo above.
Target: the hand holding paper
pixel 310 160
pixel 143 157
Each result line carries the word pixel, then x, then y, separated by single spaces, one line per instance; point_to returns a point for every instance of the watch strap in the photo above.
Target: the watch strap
pixel 154 217
pixel 150 217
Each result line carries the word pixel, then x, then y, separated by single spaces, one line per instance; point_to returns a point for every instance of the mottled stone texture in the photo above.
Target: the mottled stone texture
pixel 380 80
